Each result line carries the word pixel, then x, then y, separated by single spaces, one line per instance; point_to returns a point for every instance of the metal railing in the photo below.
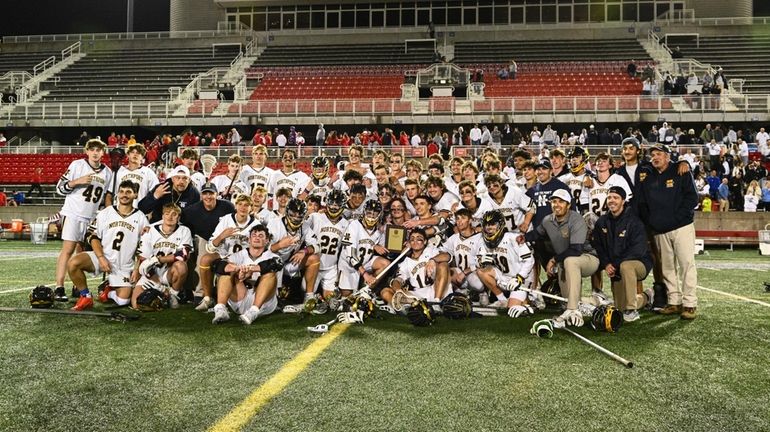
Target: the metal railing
pixel 721 21
pixel 126 36
pixel 305 152
pixel 70 51
pixel 749 104
pixel 504 152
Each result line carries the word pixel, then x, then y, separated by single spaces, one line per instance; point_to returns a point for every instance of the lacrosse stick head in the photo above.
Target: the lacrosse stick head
pixel 319 329
pixel 401 300
pixel 208 162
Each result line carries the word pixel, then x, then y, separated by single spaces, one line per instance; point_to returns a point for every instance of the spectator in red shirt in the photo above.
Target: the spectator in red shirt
pixel 112 140
pixel 37 178
pixel 3 199
pixel 403 139
pixel 3 140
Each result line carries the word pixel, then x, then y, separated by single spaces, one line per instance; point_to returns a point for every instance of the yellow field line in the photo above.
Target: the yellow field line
pixel 715 291
pixel 248 408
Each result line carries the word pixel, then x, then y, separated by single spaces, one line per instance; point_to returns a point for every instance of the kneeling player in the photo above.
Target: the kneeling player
pixel 363 253
pixel 248 280
pixel 164 250
pixel 425 270
pixel 114 237
pixel 505 264
pixel 328 228
pixel 462 248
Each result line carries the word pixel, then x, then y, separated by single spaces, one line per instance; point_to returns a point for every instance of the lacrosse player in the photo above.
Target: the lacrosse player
pixel 578 158
pixel 248 280
pixel 462 247
pixel 85 184
pixel 288 177
pixel 143 176
pixel 290 233
pixel 470 201
pixel 230 236
pixel 258 208
pixel 164 250
pixel 504 264
pixel 425 270
pixel 257 174
pixel 320 183
pixel 228 185
pixel 516 206
pixel 190 160
pixel 363 252
pixel 114 236
pixel 328 228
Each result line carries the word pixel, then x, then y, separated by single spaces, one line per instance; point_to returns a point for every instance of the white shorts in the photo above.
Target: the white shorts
pixel 74 229
pixel 428 293
pixel 471 281
pixel 503 280
pixel 289 269
pixel 162 273
pixel 117 277
pixel 348 277
pixel 240 307
pixel 328 279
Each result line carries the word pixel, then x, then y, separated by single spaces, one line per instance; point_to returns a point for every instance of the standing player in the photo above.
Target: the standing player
pixel 248 280
pixel 114 237
pixel 164 250
pixel 85 184
pixel 230 236
pixel 517 208
pixel 190 160
pixel 597 188
pixel 288 177
pixel 363 251
pixel 425 270
pixel 257 174
pixel 328 228
pixel 574 180
pixel 320 184
pixel 505 264
pixel 136 172
pixel 228 185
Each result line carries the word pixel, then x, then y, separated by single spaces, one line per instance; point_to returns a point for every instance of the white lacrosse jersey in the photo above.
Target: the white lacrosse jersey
pixel 143 176
pixel 237 187
pixel 446 202
pixel 514 206
pixel 510 257
pixel 451 185
pixel 198 179
pixel 278 230
pixel 598 193
pixel 265 216
pixel 462 250
pixel 83 201
pixel 294 182
pixel 412 271
pixel 320 189
pixel 119 235
pixel 157 243
pixel 358 242
pixel 575 185
pixel 239 240
pixel 254 177
pixel 243 257
pixel 483 205
pixel 327 238
pixel 353 213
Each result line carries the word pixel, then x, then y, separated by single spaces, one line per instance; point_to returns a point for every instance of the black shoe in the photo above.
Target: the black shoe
pixel 60 295
pixel 660 296
pixel 75 294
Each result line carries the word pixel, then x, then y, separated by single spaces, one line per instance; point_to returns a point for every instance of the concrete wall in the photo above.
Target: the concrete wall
pixel 195 15
pixel 721 8
pixel 731 221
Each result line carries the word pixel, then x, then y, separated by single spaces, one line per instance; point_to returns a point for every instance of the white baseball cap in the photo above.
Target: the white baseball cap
pixel 180 170
pixel 562 195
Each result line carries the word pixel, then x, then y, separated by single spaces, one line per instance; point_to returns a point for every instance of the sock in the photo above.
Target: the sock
pixel 173 292
pixel 84 292
pixel 501 297
pixel 207 299
pixel 118 301
pixel 255 308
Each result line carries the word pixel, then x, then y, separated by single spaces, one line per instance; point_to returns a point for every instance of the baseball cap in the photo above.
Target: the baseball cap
pixel 562 195
pixel 181 170
pixel 660 147
pixel 545 163
pixel 618 191
pixel 209 187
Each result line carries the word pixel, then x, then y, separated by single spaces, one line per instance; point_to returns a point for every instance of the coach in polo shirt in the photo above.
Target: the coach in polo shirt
pixel 574 257
pixel 177 189
pixel 667 204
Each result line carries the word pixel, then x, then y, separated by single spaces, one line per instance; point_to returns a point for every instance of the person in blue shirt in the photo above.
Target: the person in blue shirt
pixel 724 196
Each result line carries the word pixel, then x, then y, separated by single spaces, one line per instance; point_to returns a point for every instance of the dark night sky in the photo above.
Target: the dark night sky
pixel 24 17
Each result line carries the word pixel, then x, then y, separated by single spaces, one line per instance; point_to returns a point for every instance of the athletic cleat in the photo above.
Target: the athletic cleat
pixel 660 296
pixel 205 304
pixel 586 309
pixel 104 294
pixel 249 316
pixel 220 314
pixel 320 308
pixel 630 316
pixel 75 294
pixel 688 313
pixel 484 299
pixel 600 298
pixel 671 310
pixel 83 303
pixel 60 295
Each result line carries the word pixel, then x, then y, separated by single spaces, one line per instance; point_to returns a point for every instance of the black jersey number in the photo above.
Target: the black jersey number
pixel 364 254
pixel 598 209
pixel 237 248
pixel 118 240
pixel 502 264
pixel 428 281
pixel 93 194
pixel 329 245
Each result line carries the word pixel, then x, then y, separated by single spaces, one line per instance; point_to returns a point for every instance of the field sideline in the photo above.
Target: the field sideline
pixel 176 371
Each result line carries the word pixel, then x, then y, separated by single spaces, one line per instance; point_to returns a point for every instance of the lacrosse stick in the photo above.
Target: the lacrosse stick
pixel 322 328
pixel 208 162
pixel 401 300
pixel 600 348
pixel 113 316
pixel 586 307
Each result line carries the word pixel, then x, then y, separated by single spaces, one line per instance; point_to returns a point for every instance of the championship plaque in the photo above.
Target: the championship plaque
pixel 395 237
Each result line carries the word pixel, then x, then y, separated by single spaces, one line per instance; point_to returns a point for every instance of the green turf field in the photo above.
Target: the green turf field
pixel 175 371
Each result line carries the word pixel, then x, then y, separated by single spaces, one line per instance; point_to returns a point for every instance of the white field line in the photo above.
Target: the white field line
pixel 761 303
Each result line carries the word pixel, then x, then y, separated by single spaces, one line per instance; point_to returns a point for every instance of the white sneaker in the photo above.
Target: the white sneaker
pixel 249 316
pixel 600 298
pixel 586 309
pixel 205 304
pixel 500 304
pixel 536 300
pixel 220 314
pixel 630 315
pixel 484 299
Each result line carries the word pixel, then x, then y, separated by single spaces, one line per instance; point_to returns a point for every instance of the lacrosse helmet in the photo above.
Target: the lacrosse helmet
pixel 320 167
pixel 41 297
pixel 606 318
pixel 295 213
pixel 578 152
pixel 335 203
pixel 372 214
pixel 493 228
